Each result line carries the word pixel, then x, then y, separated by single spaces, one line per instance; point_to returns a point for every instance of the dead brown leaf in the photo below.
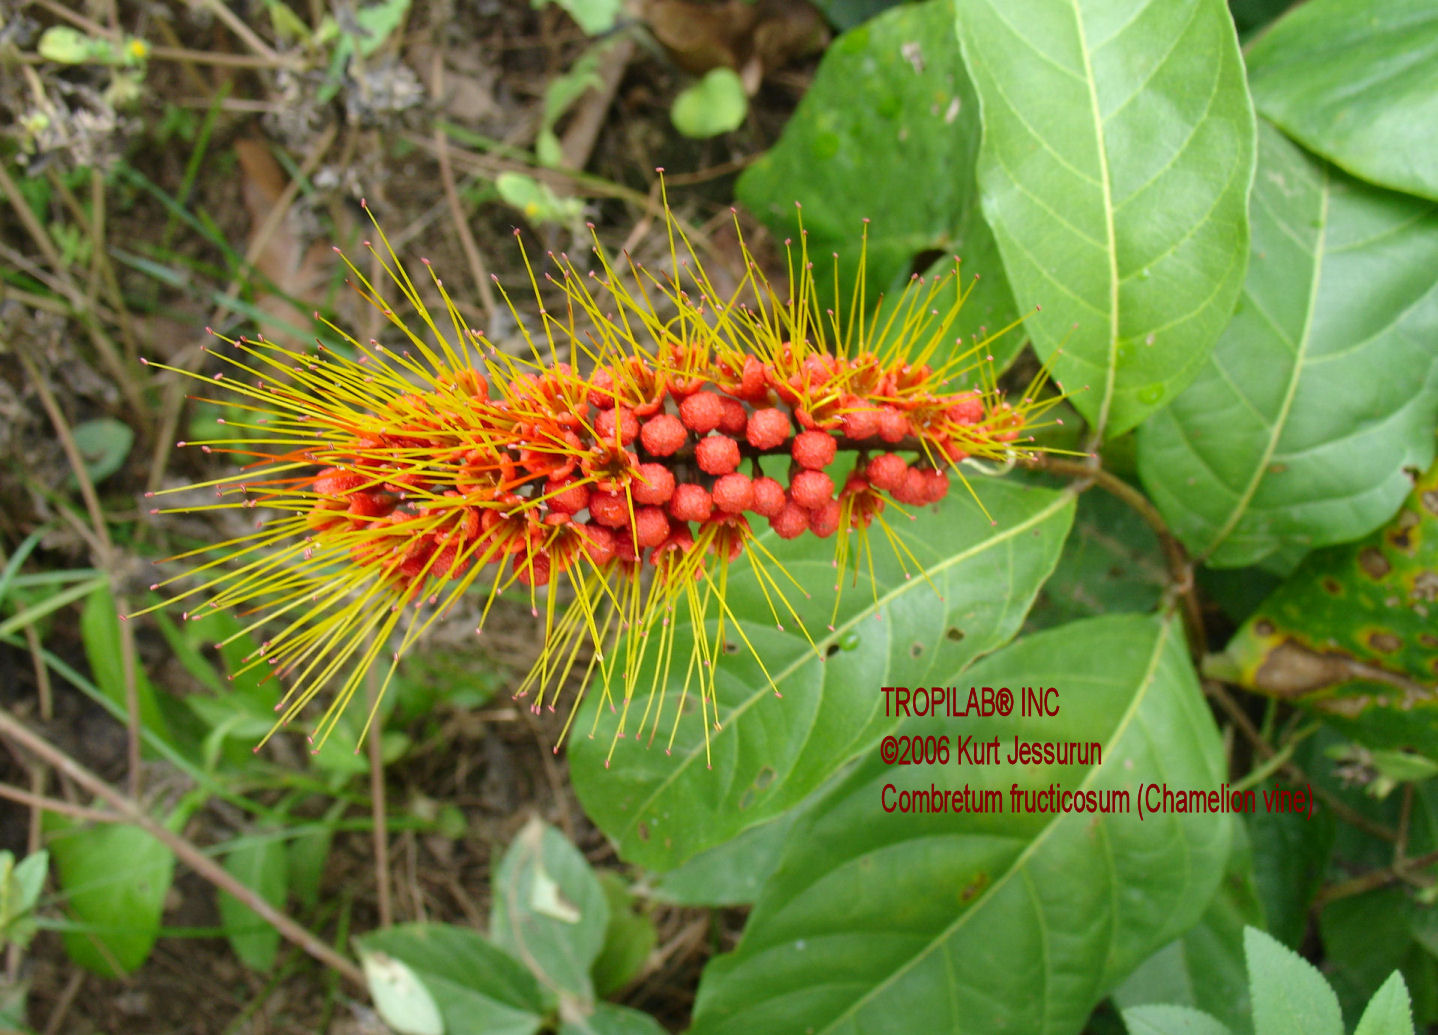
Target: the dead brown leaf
pixel 754 39
pixel 277 244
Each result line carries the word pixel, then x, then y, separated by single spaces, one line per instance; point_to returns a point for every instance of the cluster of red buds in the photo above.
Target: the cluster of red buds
pixel 633 454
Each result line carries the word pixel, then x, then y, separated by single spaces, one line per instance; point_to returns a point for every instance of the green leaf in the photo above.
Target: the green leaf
pixel 1171 1020
pixel 259 864
pixel 100 633
pixel 1112 562
pixel 592 16
pixel 1365 939
pixel 916 132
pixel 1322 389
pixel 715 104
pixel 973 583
pixel 20 888
pixel 1389 1012
pixel 475 987
pixel 609 1019
pixel 114 879
pixel 628 940
pixel 730 873
pixel 537 200
pixel 103 444
pixel 374 24
pixel 1350 632
pixel 1014 920
pixel 845 14
pixel 69 46
pixel 549 910
pixel 1290 859
pixel 1357 83
pixel 400 996
pixel 1290 997
pixel 305 864
pixel 1204 969
pixel 1115 168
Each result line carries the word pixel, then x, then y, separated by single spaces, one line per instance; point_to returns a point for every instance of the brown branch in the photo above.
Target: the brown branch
pixel 1181 588
pixel 1373 880
pixel 22 736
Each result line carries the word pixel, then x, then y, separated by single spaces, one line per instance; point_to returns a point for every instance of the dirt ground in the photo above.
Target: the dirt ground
pixel 278 175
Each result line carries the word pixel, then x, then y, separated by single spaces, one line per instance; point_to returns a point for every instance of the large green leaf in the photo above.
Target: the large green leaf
pixel 1116 161
pixel 1019 921
pixel 1357 83
pixel 420 970
pixel 1290 860
pixel 260 864
pixel 1204 968
pixel 888 132
pixel 974 584
pixel 114 879
pixel 1323 388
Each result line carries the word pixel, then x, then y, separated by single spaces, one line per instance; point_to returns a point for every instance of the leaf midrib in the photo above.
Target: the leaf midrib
pixel 1060 500
pixel 1106 187
pixel 1300 354
pixel 1145 684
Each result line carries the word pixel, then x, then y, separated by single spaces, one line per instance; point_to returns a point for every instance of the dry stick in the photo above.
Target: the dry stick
pixel 174 390
pixel 377 811
pixel 202 57
pixel 66 1000
pixel 588 117
pixel 44 803
pixel 21 735
pixel 243 31
pixel 109 355
pixel 575 182
pixel 461 224
pixel 1373 880
pixel 105 562
pixel 1218 692
pixel 1180 570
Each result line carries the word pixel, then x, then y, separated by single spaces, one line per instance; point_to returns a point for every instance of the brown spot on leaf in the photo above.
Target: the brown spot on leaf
pixel 1430 501
pixel 1293 671
pixel 1384 642
pixel 643 831
pixel 1263 627
pixel 1428 640
pixel 973 887
pixel 1425 585
pixel 1332 587
pixel 1373 563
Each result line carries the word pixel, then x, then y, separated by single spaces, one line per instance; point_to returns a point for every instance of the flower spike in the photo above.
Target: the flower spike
pixel 610 476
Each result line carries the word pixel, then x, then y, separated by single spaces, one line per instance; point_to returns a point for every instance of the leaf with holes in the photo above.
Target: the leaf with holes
pixel 973 584
pixel 1352 632
pixel 549 911
pixel 1323 388
pixel 1358 84
pixel 919 116
pixel 438 977
pixel 1006 918
pixel 1115 167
